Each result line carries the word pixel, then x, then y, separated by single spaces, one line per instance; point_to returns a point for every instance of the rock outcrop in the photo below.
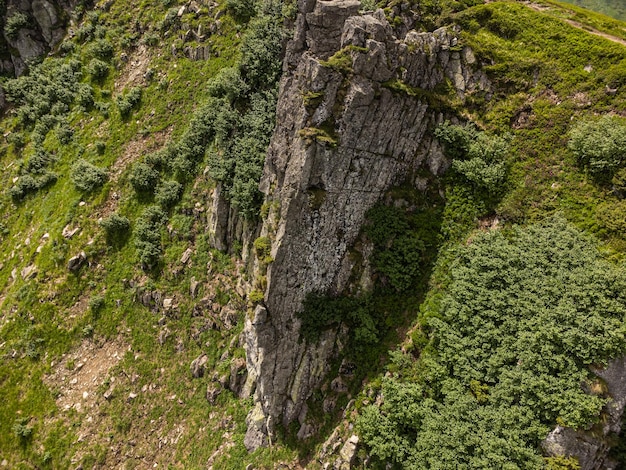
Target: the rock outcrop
pixel 356 108
pixel 32 28
pixel 591 448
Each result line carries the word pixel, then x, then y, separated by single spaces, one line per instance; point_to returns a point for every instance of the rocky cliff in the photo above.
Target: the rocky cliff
pixel 358 101
pixel 31 29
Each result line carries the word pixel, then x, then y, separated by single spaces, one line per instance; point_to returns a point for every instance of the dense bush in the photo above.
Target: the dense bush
pixel 98 69
pixel 523 317
pixel 87 177
pixel 48 90
pixel 14 23
pixel 478 158
pixel 168 193
pixel 27 184
pixel 116 228
pixel 128 101
pixel 241 10
pixel 144 178
pixel 599 145
pixel 402 241
pixel 148 236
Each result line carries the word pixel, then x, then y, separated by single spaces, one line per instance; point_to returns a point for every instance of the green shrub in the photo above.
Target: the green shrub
pixel 98 69
pixel 21 429
pixel 168 193
pixel 479 158
pixel 144 178
pixel 14 23
pixel 100 49
pixel 148 236
pixel 96 303
pixel 128 101
pixel 116 228
pixel 87 177
pixel 241 10
pixel 599 145
pixel 523 316
pixel 27 184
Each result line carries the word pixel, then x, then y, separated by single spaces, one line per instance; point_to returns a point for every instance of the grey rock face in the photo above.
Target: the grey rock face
pixel 43 31
pixel 379 137
pixel 592 448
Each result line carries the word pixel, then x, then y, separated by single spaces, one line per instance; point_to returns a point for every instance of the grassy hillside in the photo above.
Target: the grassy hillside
pixel 95 360
pixel 614 8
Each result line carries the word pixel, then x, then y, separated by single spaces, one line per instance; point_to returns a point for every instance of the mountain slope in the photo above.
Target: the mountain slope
pixel 171 296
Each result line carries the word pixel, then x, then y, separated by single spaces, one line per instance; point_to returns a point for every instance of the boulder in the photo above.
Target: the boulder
pixel 198 366
pixel 76 262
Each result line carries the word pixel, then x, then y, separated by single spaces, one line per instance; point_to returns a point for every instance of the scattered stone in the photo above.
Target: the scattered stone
pixel 348 451
pixel 186 256
pixel 168 303
pixel 69 232
pixel 193 287
pixel 132 396
pixel 198 366
pixel 75 262
pixel 29 272
pixel 109 393
pixel 213 390
pixel 338 385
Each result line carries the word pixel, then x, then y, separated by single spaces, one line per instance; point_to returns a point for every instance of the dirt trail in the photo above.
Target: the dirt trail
pixel 576 24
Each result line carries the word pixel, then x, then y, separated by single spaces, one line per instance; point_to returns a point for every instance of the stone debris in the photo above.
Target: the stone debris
pixel 198 366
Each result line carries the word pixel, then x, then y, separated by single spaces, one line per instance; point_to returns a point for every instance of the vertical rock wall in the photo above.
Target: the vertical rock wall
pixel 41 28
pixel 350 125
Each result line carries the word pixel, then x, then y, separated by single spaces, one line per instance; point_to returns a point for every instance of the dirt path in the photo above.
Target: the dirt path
pixel 576 24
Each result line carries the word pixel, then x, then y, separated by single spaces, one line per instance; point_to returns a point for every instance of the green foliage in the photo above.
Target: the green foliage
pixel 48 90
pixel 128 101
pixel 98 69
pixel 320 312
pixel 116 228
pixel 562 463
pixel 523 317
pixel 242 10
pixel 14 23
pixel 21 429
pixel 168 193
pixel 399 251
pixel 148 236
pixel 27 184
pixel 599 145
pixel 96 303
pixel 87 177
pixel 144 178
pixel 479 158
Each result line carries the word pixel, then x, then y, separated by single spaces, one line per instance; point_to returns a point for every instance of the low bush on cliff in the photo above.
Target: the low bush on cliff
pixel 523 316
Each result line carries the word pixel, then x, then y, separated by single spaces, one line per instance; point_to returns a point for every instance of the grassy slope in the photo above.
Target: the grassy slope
pixel 614 8
pixel 46 318
pixel 536 60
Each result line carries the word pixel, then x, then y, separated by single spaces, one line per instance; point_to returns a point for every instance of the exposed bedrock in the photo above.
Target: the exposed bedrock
pixel 345 134
pixel 32 28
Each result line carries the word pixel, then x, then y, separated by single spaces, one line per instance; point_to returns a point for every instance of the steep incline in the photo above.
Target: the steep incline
pixel 355 109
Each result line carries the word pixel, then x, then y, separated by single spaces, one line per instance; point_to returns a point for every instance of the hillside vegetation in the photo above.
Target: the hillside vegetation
pixel 614 8
pixel 507 272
